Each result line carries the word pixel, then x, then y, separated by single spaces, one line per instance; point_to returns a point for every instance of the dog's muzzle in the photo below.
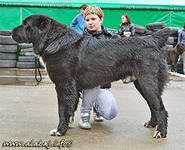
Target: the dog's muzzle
pixel 19 36
pixel 15 36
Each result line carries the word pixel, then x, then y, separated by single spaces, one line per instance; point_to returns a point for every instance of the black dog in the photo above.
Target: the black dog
pixel 75 63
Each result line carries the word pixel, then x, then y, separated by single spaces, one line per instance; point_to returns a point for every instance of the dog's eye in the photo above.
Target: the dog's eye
pixel 24 23
pixel 28 28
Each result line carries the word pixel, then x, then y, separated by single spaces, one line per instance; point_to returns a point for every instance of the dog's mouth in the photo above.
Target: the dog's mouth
pixel 18 37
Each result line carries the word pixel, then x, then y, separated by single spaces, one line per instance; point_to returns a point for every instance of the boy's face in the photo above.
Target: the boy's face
pixel 93 22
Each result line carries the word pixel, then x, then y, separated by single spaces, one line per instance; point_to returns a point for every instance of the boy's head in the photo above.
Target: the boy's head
pixel 94 10
pixel 93 18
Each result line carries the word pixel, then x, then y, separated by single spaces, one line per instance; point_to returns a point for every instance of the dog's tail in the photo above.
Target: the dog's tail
pixel 161 36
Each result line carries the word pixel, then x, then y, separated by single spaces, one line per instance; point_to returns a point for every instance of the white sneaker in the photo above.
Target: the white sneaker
pixel 98 118
pixel 85 121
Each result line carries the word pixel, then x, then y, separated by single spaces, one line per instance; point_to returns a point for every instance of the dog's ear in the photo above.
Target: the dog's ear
pixel 43 23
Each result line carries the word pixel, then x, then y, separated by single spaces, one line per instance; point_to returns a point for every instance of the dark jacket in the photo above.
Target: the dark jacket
pixel 126 28
pixel 105 33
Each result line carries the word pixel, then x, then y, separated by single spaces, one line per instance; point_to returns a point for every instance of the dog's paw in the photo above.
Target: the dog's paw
pixel 150 124
pixel 158 134
pixel 71 122
pixel 129 79
pixel 54 132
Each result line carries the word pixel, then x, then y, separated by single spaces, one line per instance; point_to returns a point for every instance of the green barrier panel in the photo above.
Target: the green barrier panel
pixel 9 17
pixel 171 12
pixel 146 4
pixel 63 15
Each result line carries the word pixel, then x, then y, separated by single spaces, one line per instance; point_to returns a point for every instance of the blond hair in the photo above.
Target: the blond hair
pixel 94 10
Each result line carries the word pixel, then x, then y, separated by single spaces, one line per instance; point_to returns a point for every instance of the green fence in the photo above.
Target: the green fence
pixel 13 11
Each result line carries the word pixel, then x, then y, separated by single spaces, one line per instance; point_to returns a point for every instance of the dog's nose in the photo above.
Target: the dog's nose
pixel 10 32
pixel 13 32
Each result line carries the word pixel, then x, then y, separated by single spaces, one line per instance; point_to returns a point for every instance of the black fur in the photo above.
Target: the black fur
pixel 76 62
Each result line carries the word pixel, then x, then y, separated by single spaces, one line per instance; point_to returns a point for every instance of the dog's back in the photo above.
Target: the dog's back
pixel 105 61
pixel 161 36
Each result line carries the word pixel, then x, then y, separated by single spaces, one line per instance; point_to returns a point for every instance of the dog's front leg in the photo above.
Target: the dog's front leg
pixel 67 95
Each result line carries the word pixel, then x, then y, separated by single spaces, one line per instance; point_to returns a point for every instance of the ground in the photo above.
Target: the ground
pixel 29 112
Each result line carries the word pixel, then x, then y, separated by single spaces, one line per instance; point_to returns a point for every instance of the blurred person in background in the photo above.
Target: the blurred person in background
pixel 181 44
pixel 126 28
pixel 78 22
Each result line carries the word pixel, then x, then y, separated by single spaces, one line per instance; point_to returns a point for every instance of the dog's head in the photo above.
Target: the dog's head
pixel 37 29
pixel 31 29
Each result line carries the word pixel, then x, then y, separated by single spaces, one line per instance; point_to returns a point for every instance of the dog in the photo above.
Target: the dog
pixel 75 62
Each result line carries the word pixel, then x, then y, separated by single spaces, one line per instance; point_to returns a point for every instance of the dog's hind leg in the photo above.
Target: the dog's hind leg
pixel 148 87
pixel 153 121
pixel 67 95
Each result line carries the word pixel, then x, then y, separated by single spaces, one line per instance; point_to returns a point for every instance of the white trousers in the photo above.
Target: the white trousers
pixel 103 101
